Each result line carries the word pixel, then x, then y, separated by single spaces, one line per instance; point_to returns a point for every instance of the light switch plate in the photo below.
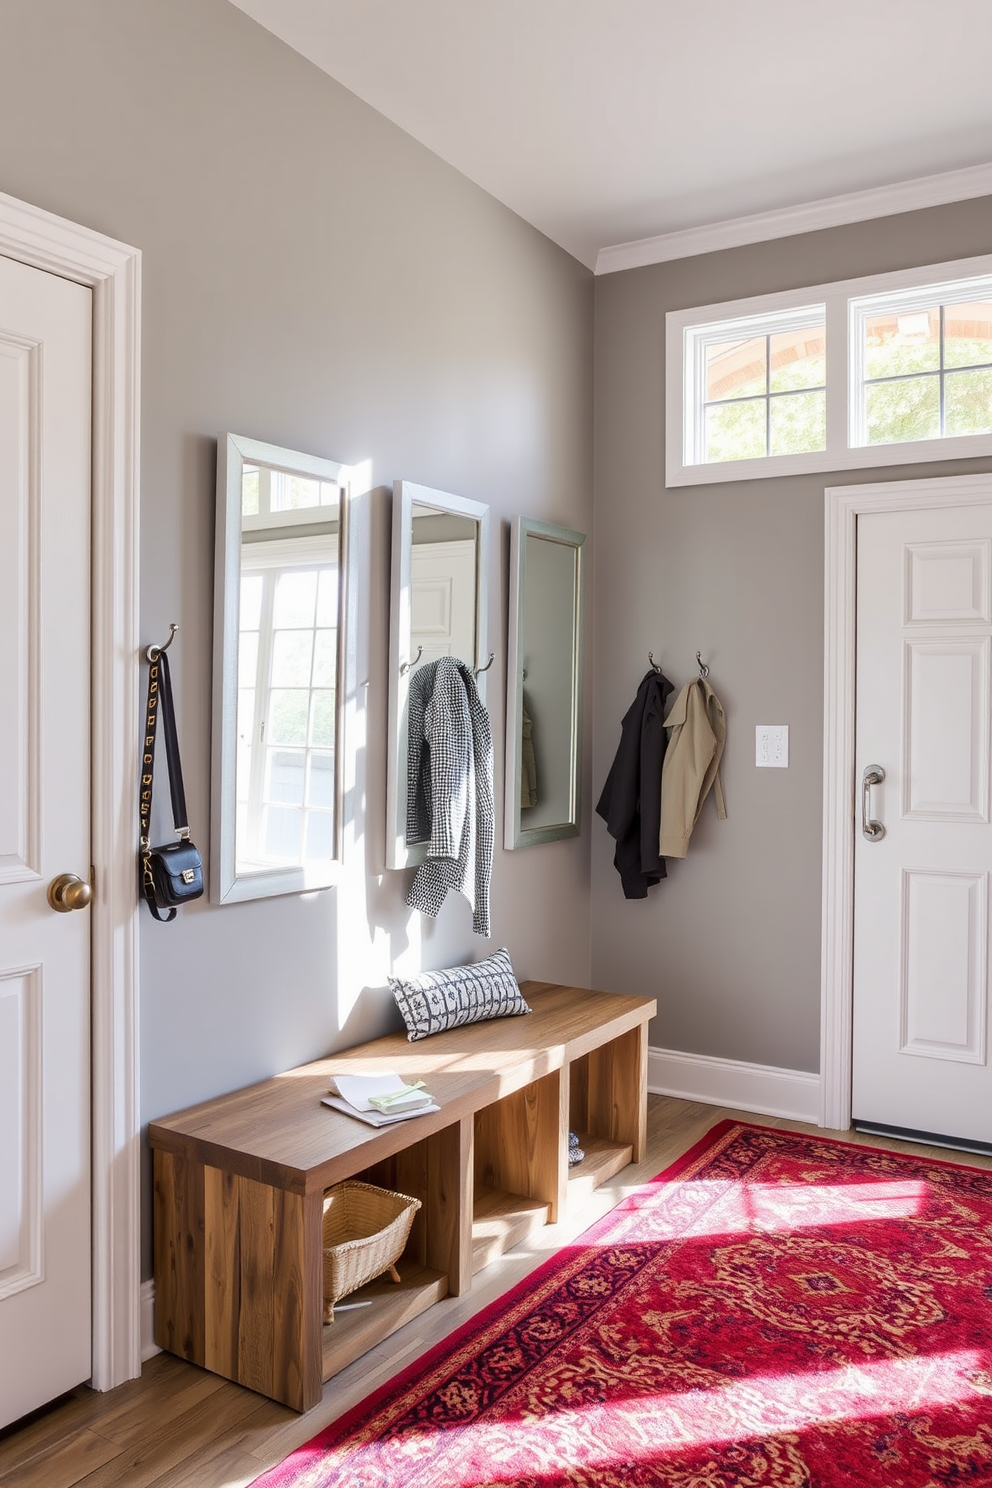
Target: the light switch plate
pixel 771 746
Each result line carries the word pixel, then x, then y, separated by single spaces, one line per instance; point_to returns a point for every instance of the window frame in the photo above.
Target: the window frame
pixel 751 327
pixel 844 398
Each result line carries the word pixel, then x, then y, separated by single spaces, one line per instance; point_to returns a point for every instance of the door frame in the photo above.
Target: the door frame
pixel 112 271
pixel 843 506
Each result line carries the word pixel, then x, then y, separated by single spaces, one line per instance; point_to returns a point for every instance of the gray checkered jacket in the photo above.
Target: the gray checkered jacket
pixel 450 789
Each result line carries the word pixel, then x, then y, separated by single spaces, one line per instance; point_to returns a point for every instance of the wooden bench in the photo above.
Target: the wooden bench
pixel 240 1180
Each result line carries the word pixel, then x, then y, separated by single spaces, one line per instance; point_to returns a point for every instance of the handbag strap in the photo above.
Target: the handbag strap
pixel 160 700
pixel 170 735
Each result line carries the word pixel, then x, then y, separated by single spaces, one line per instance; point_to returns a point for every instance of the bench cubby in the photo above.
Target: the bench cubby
pixel 239 1181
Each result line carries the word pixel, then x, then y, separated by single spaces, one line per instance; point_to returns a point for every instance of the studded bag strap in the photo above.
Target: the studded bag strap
pixel 159 699
pixel 170 735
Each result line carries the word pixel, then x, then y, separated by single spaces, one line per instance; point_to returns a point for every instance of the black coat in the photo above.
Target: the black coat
pixel 631 800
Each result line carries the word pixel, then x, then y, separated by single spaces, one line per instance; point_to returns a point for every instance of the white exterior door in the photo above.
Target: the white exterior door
pixel 45 362
pixel 921 942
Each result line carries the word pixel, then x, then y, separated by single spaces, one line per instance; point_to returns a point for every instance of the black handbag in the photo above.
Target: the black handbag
pixel 173 874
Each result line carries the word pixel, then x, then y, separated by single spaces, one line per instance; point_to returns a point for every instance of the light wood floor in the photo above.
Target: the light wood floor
pixel 179 1427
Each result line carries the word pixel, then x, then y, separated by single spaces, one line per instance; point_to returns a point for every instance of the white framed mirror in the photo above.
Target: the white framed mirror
pixel 437 607
pixel 544 684
pixel 280 603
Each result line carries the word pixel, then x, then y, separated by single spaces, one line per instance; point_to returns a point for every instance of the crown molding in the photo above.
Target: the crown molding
pixel 786 222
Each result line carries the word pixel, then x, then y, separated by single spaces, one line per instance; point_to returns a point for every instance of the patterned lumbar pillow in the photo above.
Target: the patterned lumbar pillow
pixel 436 1000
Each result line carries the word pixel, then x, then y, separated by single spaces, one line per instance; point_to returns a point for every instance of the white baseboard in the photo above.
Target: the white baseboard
pixel 148 1345
pixel 729 1082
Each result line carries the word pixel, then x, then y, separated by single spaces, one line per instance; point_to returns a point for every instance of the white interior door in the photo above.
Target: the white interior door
pixel 443 599
pixel 45 362
pixel 921 943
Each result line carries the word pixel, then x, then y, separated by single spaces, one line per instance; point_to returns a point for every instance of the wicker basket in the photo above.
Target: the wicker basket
pixel 365 1231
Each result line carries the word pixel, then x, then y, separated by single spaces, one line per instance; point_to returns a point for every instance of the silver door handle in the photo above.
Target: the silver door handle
pixel 874 831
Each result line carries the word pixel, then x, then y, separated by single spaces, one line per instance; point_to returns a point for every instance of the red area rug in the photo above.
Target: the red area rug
pixel 774 1311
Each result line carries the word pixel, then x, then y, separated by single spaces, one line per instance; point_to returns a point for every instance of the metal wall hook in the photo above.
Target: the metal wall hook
pixel 154 652
pixel 479 670
pixel 407 666
pixel 654 665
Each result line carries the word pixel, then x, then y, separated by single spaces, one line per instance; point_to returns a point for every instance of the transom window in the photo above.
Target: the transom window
pixel 266 491
pixel 763 388
pixel 893 369
pixel 925 365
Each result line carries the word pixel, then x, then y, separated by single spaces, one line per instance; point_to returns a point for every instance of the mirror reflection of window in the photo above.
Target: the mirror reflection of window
pixel 265 491
pixel 287 669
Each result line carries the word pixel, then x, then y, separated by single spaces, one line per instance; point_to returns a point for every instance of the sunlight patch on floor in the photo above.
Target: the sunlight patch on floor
pixel 710 1207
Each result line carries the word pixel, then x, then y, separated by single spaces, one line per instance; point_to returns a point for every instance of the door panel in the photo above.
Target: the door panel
pixel 45 360
pixel 20 414
pixel 946 748
pixel 921 943
pixel 944 969
pixel 947 582
pixel 20 1130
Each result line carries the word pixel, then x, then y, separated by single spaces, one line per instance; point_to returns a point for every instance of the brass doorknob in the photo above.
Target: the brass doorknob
pixel 69 891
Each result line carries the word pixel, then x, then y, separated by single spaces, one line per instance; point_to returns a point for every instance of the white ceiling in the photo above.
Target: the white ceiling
pixel 608 121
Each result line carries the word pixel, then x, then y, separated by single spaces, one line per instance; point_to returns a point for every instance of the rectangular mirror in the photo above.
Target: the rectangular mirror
pixel 437 607
pixel 279 613
pixel 544 684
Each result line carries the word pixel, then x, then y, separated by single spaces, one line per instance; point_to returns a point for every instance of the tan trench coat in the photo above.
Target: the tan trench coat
pixel 697 732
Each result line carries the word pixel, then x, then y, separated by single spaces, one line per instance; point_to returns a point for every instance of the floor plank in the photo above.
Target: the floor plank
pixel 83 1408
pixel 179 1427
pixel 74 1461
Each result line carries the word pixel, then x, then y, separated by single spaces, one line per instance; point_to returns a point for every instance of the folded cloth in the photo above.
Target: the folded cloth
pixel 450 789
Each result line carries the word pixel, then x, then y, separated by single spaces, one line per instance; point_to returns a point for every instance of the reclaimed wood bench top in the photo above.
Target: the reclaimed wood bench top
pixel 277 1131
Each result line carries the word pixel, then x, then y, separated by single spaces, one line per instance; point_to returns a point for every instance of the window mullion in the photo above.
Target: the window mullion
pixel 841 359
pixel 264 490
pixel 903 377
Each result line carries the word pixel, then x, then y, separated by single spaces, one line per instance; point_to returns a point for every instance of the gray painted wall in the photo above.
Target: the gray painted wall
pixel 730 944
pixel 316 279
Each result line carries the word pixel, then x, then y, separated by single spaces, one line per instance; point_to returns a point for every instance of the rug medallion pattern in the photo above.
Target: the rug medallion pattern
pixel 776 1311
